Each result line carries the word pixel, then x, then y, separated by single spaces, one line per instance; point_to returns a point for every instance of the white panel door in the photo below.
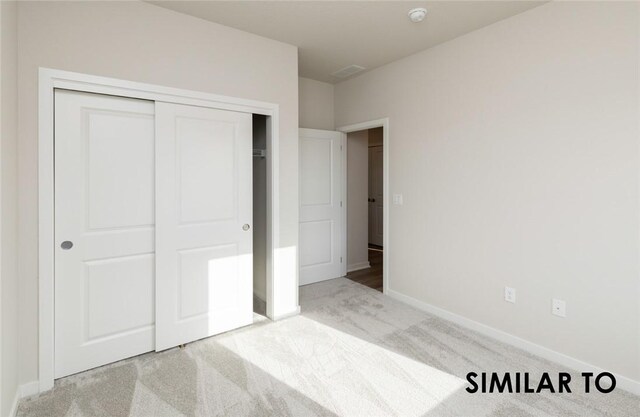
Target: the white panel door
pixel 321 208
pixel 375 195
pixel 204 266
pixel 104 230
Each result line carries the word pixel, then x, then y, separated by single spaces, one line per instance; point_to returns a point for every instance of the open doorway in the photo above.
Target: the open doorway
pixel 365 211
pixel 330 209
pixel 260 133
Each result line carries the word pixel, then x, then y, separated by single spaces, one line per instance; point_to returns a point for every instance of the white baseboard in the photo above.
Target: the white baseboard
pixel 623 382
pixel 22 391
pixel 29 389
pixel 14 406
pixel 358 266
pixel 287 315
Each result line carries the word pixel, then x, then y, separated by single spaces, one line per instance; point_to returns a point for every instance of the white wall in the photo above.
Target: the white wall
pixel 141 42
pixel 516 149
pixel 316 104
pixel 8 208
pixel 357 194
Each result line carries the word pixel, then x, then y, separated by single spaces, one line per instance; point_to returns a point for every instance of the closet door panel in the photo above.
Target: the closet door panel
pixel 104 230
pixel 204 211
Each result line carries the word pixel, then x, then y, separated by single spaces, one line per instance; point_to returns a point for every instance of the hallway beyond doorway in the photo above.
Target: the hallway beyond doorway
pixel 371 277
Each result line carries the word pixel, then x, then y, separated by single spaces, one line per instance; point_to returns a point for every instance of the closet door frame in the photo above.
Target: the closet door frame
pixel 49 81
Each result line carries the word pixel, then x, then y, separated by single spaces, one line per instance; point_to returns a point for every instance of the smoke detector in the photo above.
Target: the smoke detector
pixel 417 15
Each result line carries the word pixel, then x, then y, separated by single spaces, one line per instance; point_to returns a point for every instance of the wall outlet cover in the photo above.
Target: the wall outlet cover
pixel 559 308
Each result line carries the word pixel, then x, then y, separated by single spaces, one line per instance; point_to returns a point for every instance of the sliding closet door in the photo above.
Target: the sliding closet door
pixel 203 216
pixel 104 230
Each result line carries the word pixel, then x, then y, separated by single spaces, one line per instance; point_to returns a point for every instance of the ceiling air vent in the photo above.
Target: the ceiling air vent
pixel 348 71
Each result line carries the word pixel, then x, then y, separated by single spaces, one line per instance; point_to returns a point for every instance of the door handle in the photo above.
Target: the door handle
pixel 66 245
pixel 373 200
pixel 246 227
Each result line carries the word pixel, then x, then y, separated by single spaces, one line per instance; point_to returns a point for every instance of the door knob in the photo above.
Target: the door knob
pixel 246 227
pixel 66 245
pixel 373 200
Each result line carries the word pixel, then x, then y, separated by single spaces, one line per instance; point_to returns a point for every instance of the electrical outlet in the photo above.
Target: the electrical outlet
pixel 559 308
pixel 510 294
pixel 397 199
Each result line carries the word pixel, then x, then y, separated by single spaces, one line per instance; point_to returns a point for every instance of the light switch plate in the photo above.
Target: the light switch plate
pixel 397 199
pixel 510 294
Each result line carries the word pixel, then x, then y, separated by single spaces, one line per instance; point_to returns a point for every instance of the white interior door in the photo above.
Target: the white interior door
pixel 204 281
pixel 375 195
pixel 104 230
pixel 321 210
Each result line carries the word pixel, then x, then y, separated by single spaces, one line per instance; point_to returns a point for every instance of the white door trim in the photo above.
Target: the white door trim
pixel 384 123
pixel 50 79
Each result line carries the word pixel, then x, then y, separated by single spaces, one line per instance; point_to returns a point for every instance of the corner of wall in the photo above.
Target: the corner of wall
pixel 9 389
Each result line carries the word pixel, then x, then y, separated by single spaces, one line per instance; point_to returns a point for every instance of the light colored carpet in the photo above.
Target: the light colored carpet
pixel 352 352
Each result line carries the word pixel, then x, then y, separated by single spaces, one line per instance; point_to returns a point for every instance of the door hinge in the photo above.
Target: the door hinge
pixel 341 204
pixel 341 259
